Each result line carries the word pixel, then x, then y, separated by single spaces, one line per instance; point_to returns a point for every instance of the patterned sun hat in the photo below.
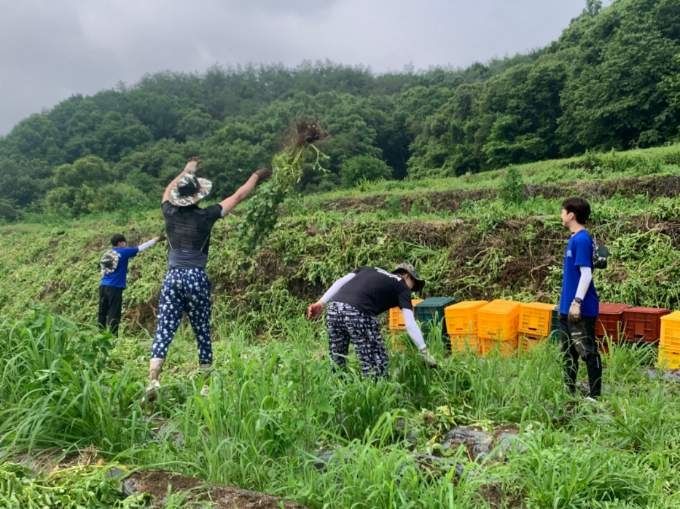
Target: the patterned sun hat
pixel 190 190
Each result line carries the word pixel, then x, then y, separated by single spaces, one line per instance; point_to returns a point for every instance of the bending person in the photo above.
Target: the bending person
pixel 186 287
pixel 353 303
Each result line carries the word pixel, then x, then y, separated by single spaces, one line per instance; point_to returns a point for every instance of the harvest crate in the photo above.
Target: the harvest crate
pixel 465 343
pixel 535 318
pixel 529 342
pixel 395 320
pixel 555 323
pixel 643 324
pixel 503 348
pixel 498 320
pixel 668 359
pixel 670 333
pixel 461 318
pixel 432 309
pixel 610 321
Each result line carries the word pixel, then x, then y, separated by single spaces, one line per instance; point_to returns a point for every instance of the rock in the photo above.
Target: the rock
pixel 477 442
pixel 158 483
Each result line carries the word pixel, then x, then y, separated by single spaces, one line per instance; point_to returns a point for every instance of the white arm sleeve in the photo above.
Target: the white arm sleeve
pixel 412 328
pixel 147 244
pixel 584 282
pixel 336 286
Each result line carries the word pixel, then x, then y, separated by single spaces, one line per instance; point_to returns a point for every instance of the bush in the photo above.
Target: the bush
pixel 359 168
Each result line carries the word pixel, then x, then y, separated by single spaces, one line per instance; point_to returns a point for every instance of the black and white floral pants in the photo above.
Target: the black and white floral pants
pixel 345 325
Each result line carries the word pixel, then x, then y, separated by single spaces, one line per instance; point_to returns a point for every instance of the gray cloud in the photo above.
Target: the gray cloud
pixel 51 50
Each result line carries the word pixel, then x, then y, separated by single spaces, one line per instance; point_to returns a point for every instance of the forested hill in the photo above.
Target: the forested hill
pixel 611 80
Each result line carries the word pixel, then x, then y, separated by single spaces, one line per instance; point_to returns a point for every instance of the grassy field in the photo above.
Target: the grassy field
pixel 277 419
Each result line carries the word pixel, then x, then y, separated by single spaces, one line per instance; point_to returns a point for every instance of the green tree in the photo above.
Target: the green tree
pixel 361 168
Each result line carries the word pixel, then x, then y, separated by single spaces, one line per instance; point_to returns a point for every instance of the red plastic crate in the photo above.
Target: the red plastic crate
pixel 643 324
pixel 610 321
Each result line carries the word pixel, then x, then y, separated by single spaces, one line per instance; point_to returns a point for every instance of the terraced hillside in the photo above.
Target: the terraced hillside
pixel 492 432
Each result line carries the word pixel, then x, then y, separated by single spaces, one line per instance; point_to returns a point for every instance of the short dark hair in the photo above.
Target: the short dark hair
pixel 118 237
pixel 579 207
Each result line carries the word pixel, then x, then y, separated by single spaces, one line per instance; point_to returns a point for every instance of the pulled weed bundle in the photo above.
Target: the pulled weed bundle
pixel 261 211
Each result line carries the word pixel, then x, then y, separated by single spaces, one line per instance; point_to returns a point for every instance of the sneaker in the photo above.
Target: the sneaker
pixel 205 390
pixel 590 399
pixel 151 392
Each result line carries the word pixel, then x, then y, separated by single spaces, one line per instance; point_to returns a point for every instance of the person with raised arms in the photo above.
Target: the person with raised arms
pixel 186 287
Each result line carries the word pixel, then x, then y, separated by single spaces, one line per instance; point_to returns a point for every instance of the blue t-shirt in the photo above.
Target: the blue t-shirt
pixel 118 277
pixel 579 253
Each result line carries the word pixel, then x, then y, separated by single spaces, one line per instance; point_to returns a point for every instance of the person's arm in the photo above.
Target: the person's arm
pixel 191 167
pixel 146 245
pixel 242 192
pixel 581 290
pixel 417 338
pixel 314 310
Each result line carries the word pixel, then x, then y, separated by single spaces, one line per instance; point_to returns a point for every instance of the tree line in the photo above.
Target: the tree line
pixel 610 81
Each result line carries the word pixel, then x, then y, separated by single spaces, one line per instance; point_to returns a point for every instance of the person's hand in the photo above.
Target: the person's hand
pixel 429 361
pixel 314 310
pixel 161 237
pixel 192 165
pixel 262 174
pixel 574 311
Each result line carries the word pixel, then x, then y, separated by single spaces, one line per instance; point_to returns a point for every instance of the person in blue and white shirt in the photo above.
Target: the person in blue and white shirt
pixel 114 265
pixel 579 303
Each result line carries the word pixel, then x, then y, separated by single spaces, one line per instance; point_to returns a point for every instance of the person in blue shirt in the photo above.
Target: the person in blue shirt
pixel 579 304
pixel 114 265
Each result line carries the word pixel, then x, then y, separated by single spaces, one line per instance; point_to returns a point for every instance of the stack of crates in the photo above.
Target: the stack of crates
pixel 497 324
pixel 535 324
pixel 643 324
pixel 395 318
pixel 461 325
pixel 431 311
pixel 669 343
pixel 609 322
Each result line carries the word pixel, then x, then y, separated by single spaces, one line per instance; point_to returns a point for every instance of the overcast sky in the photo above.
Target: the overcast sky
pixel 51 49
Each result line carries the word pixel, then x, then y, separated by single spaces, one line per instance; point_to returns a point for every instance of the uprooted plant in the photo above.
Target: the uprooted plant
pixel 289 165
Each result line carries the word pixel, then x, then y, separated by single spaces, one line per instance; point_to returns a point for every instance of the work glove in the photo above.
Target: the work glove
pixel 574 311
pixel 429 361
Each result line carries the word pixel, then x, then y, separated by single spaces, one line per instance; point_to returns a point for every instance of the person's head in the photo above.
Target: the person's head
pixel 410 276
pixel 190 190
pixel 575 211
pixel 118 240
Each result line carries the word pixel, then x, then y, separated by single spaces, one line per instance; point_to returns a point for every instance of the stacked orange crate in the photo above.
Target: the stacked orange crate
pixel 395 320
pixel 535 322
pixel 669 344
pixel 461 325
pixel 497 324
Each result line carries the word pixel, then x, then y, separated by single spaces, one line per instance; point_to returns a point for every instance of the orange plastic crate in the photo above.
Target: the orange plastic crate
pixel 668 359
pixel 670 332
pixel 498 320
pixel 395 320
pixel 461 318
pixel 643 323
pixel 502 348
pixel 529 342
pixel 535 318
pixel 465 343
